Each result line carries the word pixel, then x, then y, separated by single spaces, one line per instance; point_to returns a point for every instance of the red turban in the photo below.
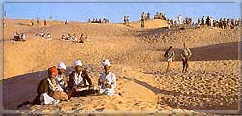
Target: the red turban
pixel 53 70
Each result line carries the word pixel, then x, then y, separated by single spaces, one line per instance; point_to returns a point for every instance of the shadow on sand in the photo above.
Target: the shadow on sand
pixel 21 88
pixel 224 51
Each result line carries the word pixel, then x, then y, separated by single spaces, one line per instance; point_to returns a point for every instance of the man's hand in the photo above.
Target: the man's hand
pixel 90 87
pixel 108 86
pixel 75 87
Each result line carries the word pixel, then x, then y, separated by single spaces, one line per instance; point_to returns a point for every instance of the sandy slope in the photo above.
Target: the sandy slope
pixel 149 24
pixel 137 57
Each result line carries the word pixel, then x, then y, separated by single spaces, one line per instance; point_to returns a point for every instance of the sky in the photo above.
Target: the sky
pixel 115 11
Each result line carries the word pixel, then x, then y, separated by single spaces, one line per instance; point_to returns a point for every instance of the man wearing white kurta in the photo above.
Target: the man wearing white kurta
pixel 107 80
pixel 61 77
pixel 179 19
pixel 211 21
pixel 78 79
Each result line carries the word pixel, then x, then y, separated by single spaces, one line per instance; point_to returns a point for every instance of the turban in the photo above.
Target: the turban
pixel 53 70
pixel 106 63
pixel 77 63
pixel 61 66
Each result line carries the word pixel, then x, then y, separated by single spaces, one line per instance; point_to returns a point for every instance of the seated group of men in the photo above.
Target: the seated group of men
pixel 58 86
pixel 74 38
pixel 19 36
pixel 44 35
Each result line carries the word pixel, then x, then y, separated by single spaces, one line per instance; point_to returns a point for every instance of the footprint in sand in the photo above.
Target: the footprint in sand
pixel 120 102
pixel 100 109
pixel 137 104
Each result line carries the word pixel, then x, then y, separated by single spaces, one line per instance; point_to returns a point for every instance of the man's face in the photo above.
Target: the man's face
pixel 78 68
pixel 61 71
pixel 107 68
pixel 52 75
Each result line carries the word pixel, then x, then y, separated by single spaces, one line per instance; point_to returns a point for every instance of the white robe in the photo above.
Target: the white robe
pixel 111 80
pixel 78 79
pixel 60 82
pixel 46 99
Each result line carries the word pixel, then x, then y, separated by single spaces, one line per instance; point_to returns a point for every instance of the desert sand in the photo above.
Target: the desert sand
pixel 212 82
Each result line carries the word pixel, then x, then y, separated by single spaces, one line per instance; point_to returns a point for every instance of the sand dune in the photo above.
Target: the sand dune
pixel 138 62
pixel 149 24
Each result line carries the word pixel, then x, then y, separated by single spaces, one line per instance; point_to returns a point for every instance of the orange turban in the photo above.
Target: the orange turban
pixel 53 70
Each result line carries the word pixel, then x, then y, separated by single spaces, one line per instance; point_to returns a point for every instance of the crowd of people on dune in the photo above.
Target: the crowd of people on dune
pixel 44 35
pixel 96 20
pixel 126 19
pixel 61 85
pixel 224 23
pixel 146 16
pixel 180 20
pixel 19 37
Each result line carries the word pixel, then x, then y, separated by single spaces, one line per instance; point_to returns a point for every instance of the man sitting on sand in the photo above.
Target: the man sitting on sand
pixel 169 55
pixel 48 91
pixel 63 37
pixel 19 36
pixel 107 80
pixel 82 38
pixel 186 54
pixel 77 79
pixel 61 78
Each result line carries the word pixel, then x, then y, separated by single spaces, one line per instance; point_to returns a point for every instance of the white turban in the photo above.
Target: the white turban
pixel 77 63
pixel 106 63
pixel 61 66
